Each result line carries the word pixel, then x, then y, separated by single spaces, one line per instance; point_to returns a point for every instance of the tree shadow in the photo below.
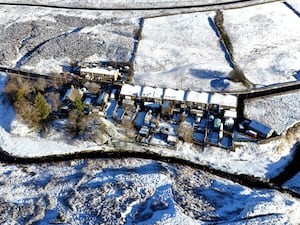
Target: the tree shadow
pixel 7 114
pixel 206 74
pixel 220 84
pixel 218 81
pixel 290 165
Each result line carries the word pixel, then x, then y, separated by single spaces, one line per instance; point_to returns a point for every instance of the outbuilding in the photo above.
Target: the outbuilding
pixel 262 130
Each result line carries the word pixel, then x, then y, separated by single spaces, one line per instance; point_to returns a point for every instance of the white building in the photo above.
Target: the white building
pixel 224 101
pixel 174 95
pixel 100 73
pixel 131 91
pixel 197 98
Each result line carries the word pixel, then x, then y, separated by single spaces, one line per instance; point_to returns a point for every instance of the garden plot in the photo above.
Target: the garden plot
pixel 182 51
pixel 266 42
pixel 279 112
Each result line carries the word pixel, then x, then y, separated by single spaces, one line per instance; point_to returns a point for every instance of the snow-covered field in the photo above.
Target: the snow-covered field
pixel 266 41
pixel 183 52
pixel 295 4
pixel 133 191
pixel 46 40
pixel 279 112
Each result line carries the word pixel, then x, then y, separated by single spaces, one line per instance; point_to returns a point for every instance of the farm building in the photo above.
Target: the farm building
pixel 262 130
pixel 100 73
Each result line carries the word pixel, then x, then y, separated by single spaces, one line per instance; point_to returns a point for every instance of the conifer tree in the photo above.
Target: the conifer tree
pixel 42 107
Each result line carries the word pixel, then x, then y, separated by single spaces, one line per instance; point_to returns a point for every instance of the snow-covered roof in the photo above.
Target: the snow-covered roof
pixel 197 97
pixel 158 93
pixel 171 94
pixel 131 90
pixel 148 92
pixel 98 70
pixel 223 100
pixel 72 93
pixel 230 114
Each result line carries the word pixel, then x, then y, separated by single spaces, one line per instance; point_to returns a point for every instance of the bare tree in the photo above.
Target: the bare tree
pixel 185 131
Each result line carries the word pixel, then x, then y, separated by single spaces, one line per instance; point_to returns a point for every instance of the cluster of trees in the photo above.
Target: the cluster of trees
pixel 28 101
pixel 236 75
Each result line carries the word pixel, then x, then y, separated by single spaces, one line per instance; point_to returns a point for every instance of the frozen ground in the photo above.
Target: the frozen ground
pixel 132 191
pixel 266 41
pixel 47 40
pixel 183 52
pixel 279 112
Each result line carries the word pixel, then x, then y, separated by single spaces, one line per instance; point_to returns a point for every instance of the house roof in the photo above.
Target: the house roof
pixel 223 100
pixel 148 92
pixel 98 70
pixel 262 129
pixel 72 94
pixel 230 114
pixel 197 97
pixel 158 93
pixel 131 90
pixel 171 94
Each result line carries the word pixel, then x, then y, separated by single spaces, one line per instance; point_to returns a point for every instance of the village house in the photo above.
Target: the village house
pixel 223 101
pixel 198 101
pixel 132 92
pixel 151 94
pixel 72 94
pixel 96 72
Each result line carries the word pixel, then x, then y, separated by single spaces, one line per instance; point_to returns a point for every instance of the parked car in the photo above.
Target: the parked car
pixel 251 133
pixel 217 124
